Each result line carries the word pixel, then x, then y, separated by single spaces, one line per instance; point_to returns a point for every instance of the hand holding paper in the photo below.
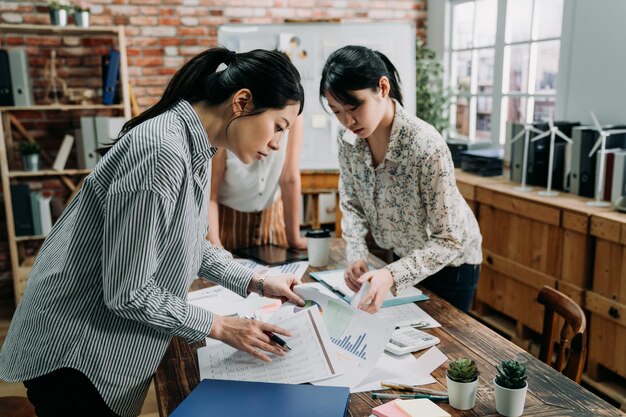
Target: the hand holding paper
pixel 380 281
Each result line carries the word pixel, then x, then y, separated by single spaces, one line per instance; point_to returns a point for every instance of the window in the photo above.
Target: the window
pixel 503 61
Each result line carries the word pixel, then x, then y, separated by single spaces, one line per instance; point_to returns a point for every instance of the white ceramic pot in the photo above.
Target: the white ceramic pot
pixel 510 402
pixel 81 19
pixel 462 395
pixel 58 17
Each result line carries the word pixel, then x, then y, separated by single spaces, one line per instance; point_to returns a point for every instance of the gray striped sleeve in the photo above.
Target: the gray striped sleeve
pixel 218 266
pixel 131 259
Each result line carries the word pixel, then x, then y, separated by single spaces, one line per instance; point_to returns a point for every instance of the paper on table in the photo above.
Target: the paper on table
pixel 405 315
pixel 296 268
pixel 358 337
pixel 392 368
pixel 430 360
pixel 403 369
pixel 310 358
pixel 218 300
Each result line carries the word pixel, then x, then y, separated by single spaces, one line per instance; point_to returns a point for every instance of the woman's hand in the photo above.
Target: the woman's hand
pixel 281 287
pixel 380 282
pixel 354 270
pixel 247 335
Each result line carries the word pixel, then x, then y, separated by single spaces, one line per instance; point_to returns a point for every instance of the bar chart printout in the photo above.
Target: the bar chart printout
pixel 359 338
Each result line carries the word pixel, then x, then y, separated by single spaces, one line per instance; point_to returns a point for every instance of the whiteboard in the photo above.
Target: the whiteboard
pixel 309 45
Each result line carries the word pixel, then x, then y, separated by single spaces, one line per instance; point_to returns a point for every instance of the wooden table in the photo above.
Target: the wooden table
pixel 549 392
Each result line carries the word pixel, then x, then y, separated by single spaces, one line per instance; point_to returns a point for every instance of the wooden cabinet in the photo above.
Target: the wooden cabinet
pixel 606 301
pixel 20 247
pixel 530 241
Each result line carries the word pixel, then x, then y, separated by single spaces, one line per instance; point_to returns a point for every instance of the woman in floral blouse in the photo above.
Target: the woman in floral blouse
pixel 397 182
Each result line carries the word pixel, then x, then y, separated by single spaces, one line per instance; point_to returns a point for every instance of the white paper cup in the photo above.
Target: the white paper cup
pixel 317 242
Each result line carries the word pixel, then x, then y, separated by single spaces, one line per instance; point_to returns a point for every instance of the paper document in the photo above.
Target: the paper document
pixel 296 268
pixel 218 300
pixel 335 280
pixel 359 338
pixel 407 315
pixel 310 359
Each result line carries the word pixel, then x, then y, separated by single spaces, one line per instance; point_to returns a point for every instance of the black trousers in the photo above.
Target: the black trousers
pixel 455 284
pixel 66 392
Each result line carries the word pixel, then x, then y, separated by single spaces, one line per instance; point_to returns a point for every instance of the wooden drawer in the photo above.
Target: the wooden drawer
pixel 607 335
pixel 512 289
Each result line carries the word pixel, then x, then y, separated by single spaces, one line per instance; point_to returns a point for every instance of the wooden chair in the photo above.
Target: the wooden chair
pixel 16 407
pixel 571 354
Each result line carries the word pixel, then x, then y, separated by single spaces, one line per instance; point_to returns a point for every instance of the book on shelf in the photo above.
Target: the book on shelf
pixel 20 77
pixel 86 144
pixel 6 87
pixel 110 69
pixel 619 175
pixel 64 153
pixel 22 212
pixel 107 129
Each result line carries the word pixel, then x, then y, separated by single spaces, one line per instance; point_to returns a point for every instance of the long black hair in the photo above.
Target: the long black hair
pixel 269 75
pixel 356 68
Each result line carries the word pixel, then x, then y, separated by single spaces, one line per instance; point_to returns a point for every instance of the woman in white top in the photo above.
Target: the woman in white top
pixel 247 208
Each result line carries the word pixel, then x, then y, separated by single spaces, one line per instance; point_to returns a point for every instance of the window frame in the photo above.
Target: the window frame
pixel 499 109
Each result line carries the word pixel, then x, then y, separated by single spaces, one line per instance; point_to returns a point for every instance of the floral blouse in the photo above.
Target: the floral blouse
pixel 409 202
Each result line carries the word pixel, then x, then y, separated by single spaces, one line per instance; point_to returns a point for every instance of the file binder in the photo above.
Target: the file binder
pixel 110 78
pixel 214 397
pixel 20 77
pixel 6 87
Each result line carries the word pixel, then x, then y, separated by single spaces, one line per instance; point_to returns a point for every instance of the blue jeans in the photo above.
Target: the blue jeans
pixel 455 284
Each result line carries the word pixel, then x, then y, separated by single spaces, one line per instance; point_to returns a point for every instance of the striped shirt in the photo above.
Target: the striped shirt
pixel 109 287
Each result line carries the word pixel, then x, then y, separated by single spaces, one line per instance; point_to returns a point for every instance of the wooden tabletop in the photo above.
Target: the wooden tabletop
pixel 549 392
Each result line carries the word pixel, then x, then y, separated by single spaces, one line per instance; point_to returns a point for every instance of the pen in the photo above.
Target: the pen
pixel 376 395
pixel 417 390
pixel 277 340
pixel 417 325
pixel 272 336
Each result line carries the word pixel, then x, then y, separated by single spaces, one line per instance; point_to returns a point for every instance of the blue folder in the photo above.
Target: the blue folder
pixel 319 277
pixel 215 397
pixel 110 79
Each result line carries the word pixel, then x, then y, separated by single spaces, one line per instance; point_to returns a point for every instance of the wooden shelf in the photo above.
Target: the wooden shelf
pixel 63 107
pixel 28 238
pixel 60 30
pixel 48 173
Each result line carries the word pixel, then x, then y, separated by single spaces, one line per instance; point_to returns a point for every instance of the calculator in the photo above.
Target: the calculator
pixel 407 339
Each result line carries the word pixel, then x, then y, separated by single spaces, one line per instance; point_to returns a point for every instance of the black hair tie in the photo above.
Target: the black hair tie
pixel 230 57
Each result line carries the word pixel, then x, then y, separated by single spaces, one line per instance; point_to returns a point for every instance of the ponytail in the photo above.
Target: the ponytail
pixel 354 68
pixel 269 75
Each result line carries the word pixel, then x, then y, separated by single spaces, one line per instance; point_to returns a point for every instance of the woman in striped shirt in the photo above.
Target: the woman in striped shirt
pixel 108 289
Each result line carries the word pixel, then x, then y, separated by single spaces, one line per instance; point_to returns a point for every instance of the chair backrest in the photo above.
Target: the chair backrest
pixel 570 359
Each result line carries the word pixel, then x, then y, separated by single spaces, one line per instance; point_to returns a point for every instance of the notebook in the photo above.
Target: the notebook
pixel 388 410
pixel 421 407
pixel 214 397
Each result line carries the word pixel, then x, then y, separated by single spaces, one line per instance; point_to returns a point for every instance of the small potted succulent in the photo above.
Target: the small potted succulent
pixel 510 388
pixel 30 155
pixel 462 380
pixel 81 14
pixel 58 11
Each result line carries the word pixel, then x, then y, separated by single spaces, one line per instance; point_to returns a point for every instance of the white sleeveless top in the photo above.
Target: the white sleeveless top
pixel 253 187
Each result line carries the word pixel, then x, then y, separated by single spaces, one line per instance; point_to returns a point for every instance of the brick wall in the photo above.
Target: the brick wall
pixel 161 36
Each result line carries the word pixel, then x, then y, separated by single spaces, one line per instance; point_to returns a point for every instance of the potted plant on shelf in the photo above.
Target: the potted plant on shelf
pixel 58 11
pixel 81 14
pixel 30 155
pixel 510 388
pixel 462 379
